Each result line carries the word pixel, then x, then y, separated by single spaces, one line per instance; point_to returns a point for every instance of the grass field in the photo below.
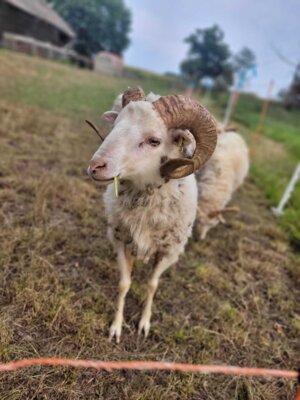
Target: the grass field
pixel 230 299
pixel 66 90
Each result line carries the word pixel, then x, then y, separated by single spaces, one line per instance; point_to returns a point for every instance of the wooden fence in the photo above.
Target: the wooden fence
pixel 37 48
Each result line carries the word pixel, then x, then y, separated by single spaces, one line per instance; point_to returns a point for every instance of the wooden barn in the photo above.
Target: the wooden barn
pixel 35 19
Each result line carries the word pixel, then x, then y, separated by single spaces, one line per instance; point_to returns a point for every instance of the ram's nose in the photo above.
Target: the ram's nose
pixel 96 167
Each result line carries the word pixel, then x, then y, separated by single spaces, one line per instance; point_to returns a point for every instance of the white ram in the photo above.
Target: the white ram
pixel 154 213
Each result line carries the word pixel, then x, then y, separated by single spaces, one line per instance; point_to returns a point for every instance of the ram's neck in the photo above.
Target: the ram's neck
pixel 166 189
pixel 141 182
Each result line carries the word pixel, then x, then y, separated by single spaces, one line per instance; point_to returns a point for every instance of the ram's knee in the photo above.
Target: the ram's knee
pixel 124 285
pixel 152 286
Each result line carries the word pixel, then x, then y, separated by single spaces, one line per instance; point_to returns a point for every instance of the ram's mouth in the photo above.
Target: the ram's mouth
pixel 104 181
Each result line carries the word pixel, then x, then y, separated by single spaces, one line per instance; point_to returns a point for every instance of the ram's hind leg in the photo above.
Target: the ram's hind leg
pixel 125 262
pixel 161 266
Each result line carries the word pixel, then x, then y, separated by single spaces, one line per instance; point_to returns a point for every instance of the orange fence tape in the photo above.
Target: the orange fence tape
pixel 151 365
pixel 147 365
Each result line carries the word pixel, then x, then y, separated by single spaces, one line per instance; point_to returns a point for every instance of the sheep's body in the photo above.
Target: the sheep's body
pixel 153 221
pixel 224 172
pixel 152 218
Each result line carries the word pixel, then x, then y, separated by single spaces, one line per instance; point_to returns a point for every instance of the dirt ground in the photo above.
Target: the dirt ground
pixel 231 299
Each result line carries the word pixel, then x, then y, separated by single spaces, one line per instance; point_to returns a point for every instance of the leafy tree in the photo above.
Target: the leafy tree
pixel 243 59
pixel 99 24
pixel 208 56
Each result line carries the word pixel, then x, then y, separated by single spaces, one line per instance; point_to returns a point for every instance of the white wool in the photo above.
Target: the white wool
pixel 156 220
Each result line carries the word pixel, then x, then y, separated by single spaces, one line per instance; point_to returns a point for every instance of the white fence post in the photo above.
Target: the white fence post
pixel 230 105
pixel 288 191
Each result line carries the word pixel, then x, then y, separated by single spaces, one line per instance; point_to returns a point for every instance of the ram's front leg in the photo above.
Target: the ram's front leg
pixel 125 262
pixel 161 266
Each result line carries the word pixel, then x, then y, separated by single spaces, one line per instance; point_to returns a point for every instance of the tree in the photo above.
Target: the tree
pixel 208 56
pixel 243 59
pixel 99 24
pixel 292 95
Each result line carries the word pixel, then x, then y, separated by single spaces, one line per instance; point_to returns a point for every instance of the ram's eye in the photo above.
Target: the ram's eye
pixel 154 142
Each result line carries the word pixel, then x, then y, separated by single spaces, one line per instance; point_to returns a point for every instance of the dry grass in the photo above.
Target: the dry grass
pixel 230 299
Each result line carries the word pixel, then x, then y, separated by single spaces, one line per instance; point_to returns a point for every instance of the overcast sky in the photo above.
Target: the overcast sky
pixel 160 26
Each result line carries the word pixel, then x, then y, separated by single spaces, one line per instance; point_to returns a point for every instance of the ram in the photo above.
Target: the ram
pixel 153 215
pixel 224 172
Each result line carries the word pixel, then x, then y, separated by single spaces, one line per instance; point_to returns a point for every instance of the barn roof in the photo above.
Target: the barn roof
pixel 42 10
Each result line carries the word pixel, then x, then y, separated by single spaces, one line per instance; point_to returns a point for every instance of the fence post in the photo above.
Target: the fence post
pixel 230 105
pixel 288 191
pixel 262 117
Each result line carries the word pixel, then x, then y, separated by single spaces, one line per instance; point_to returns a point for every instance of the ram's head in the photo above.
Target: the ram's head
pixel 207 220
pixel 145 141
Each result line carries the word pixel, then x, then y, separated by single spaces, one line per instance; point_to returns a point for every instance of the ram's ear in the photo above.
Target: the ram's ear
pixel 185 140
pixel 110 116
pixel 179 135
